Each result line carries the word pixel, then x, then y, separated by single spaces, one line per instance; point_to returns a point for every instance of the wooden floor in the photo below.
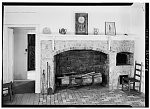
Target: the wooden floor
pixel 78 96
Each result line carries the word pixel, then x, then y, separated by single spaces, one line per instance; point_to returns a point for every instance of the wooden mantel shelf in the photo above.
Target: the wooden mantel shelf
pixel 85 37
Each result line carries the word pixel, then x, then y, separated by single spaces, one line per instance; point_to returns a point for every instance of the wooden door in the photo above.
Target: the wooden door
pixel 31 52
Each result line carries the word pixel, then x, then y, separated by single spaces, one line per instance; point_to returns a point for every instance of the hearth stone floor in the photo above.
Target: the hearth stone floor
pixel 77 96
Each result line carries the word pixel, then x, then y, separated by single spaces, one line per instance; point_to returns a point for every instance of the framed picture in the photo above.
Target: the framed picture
pixel 81 23
pixel 110 28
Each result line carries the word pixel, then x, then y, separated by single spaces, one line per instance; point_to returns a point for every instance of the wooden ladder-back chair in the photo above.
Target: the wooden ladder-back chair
pixel 128 81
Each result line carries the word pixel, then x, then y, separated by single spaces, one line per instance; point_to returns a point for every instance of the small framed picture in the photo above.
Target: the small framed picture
pixel 110 28
pixel 81 23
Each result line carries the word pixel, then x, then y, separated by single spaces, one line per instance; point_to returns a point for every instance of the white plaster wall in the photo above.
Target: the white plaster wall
pixel 138 28
pixel 7 55
pixel 20 15
pixel 56 17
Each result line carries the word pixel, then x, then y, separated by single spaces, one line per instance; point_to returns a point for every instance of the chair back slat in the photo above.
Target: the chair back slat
pixel 138 70
pixel 138 64
pixel 137 75
pixel 134 69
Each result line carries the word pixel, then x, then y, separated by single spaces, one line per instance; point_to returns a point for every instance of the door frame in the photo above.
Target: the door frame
pixel 37 52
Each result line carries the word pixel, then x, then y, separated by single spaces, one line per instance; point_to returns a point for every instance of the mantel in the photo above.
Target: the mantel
pixel 52 45
pixel 85 37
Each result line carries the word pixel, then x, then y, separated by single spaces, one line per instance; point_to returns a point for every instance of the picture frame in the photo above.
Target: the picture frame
pixel 81 23
pixel 110 28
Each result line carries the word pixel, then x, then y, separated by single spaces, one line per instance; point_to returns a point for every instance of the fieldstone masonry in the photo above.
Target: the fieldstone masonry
pixel 61 46
pixel 49 48
pixel 122 46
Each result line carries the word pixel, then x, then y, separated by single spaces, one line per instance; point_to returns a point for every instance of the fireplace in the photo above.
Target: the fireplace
pixel 80 54
pixel 81 62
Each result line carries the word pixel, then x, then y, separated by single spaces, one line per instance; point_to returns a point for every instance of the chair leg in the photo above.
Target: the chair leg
pixel 129 88
pixel 140 87
pixel 10 93
pixel 134 86
pixel 122 86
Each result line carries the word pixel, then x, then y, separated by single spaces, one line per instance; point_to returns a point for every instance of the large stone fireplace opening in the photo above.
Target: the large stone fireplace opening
pixel 80 62
pixel 63 58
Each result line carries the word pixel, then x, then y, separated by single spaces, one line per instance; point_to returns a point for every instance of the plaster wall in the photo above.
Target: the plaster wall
pixel 56 17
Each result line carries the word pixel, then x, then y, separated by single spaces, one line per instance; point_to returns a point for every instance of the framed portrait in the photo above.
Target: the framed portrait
pixel 110 28
pixel 81 23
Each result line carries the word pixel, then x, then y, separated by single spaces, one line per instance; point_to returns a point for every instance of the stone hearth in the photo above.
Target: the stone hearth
pixel 51 46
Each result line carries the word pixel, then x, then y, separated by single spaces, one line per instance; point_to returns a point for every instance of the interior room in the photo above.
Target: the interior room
pixel 74 54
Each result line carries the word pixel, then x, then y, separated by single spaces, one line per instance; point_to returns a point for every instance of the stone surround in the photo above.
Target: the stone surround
pixel 52 46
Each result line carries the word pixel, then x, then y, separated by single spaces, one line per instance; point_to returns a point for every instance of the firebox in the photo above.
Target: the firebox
pixel 81 62
pixel 124 58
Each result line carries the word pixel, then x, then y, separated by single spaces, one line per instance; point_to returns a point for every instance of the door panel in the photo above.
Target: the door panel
pixel 31 52
pixel 20 54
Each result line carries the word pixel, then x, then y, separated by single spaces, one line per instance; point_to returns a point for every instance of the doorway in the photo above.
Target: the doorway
pixel 24 52
pixel 24 59
pixel 15 56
